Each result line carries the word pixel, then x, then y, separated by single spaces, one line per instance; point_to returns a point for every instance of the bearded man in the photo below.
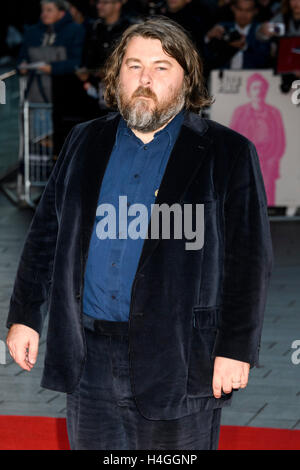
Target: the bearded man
pixel 149 339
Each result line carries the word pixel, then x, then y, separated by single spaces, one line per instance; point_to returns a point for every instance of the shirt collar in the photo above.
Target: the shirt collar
pixel 171 129
pixel 244 30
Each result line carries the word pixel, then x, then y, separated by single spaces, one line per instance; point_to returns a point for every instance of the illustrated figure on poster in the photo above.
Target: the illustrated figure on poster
pixel 263 125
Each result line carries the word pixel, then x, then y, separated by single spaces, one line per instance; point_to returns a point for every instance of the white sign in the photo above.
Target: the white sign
pixel 2 92
pixel 251 103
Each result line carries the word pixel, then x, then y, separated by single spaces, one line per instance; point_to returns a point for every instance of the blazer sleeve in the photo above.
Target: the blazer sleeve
pixel 248 261
pixel 34 272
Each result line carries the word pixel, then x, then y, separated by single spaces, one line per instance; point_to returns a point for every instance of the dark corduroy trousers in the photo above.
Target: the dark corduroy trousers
pixel 101 411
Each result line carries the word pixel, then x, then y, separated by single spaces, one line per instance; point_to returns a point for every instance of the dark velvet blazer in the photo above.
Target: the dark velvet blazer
pixel 187 306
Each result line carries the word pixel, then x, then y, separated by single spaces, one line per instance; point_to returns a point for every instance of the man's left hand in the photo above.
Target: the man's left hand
pixel 229 374
pixel 239 43
pixel 45 68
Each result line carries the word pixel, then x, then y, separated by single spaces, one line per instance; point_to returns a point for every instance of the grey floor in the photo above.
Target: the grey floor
pixel 272 398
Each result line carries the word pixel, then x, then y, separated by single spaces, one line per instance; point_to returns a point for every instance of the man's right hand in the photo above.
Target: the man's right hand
pixel 216 32
pixel 265 30
pixel 83 74
pixel 21 70
pixel 23 343
pixel 239 43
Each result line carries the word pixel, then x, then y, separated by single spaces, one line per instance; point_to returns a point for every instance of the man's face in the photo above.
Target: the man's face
pixel 151 88
pixel 176 5
pixel 295 6
pixel 244 12
pixel 256 89
pixel 50 14
pixel 264 3
pixel 106 8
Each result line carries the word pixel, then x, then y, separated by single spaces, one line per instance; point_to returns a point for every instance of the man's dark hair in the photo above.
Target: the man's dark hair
pixel 81 5
pixel 176 43
pixel 256 3
pixel 60 4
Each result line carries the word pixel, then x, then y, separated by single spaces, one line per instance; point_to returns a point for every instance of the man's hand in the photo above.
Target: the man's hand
pixel 83 74
pixel 23 343
pixel 216 32
pixel 45 69
pixel 229 374
pixel 22 70
pixel 239 43
pixel 266 30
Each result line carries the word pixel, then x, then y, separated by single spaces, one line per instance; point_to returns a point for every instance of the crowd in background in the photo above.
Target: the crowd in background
pixel 70 41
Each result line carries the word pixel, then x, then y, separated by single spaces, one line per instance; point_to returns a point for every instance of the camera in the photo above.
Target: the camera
pixel 231 35
pixel 277 28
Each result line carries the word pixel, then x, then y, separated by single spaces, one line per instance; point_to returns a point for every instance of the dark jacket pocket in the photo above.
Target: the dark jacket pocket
pixel 201 363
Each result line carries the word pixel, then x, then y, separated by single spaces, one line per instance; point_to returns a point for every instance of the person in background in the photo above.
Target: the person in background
pixel 109 26
pixel 55 28
pixel 267 9
pixel 289 18
pixel 181 11
pixel 4 25
pixel 55 35
pixel 224 13
pixel 79 10
pixel 134 8
pixel 84 107
pixel 234 45
pixel 101 36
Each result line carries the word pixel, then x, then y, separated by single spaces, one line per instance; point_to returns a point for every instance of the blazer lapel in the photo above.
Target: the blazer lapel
pixel 185 160
pixel 97 153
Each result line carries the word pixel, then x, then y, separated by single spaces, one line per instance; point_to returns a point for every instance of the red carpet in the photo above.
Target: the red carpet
pixel 39 433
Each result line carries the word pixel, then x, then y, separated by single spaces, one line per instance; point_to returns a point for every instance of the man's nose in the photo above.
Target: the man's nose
pixel 145 77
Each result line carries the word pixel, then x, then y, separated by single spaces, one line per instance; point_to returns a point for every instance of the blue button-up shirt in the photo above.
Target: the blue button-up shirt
pixel 134 170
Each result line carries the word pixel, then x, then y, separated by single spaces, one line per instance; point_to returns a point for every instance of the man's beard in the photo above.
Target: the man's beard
pixel 140 116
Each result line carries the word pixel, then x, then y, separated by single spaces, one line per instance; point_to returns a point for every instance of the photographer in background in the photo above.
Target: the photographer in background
pixel 289 17
pixel 286 23
pixel 267 9
pixel 181 11
pixel 234 45
pixel 100 38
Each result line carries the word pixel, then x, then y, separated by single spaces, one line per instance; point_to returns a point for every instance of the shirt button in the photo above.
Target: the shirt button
pixel 136 175
pixel 113 264
pixel 113 296
pixel 145 147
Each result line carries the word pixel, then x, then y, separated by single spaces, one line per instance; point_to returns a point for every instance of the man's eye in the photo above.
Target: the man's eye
pixel 134 66
pixel 161 68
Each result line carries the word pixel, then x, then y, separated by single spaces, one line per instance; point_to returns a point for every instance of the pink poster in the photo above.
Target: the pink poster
pixel 263 125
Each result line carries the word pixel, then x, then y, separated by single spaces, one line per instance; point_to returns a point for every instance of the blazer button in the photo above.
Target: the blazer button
pixel 138 314
pixel 78 296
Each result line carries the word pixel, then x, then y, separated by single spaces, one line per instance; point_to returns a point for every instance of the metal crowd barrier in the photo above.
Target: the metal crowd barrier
pixel 36 147
pixel 35 156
